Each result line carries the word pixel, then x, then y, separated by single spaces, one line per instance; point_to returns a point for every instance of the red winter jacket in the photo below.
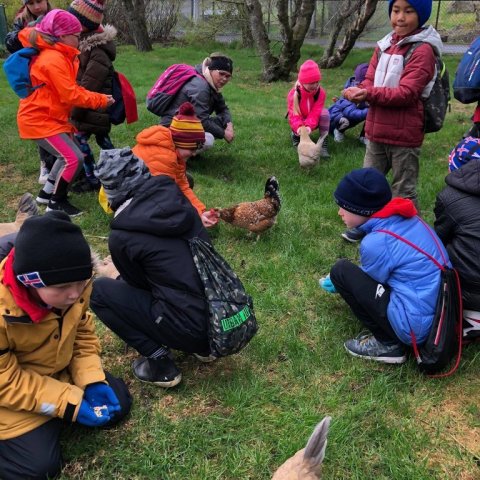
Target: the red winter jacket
pixel 396 114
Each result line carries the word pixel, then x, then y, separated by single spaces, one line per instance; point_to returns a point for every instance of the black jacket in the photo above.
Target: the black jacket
pixel 457 223
pixel 149 246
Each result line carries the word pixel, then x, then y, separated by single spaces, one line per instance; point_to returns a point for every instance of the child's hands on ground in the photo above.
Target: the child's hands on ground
pixel 98 394
pixel 210 218
pixel 87 416
pixel 327 284
pixel 110 100
pixel 229 134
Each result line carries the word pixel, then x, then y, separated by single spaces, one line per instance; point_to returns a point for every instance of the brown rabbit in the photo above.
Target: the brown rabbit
pixel 306 464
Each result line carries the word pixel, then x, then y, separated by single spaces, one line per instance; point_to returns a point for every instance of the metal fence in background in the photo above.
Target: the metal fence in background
pixel 457 21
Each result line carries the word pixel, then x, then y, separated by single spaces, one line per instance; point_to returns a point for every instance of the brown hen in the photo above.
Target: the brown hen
pixel 255 216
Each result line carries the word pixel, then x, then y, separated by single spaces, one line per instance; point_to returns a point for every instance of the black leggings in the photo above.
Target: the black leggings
pixel 367 298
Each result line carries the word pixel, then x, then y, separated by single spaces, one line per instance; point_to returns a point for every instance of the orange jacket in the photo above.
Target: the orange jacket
pixel 46 111
pixel 156 148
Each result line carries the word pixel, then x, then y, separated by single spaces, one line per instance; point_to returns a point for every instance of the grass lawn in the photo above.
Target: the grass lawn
pixel 242 416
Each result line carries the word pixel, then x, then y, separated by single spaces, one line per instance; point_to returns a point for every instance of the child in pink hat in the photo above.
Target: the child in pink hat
pixel 306 102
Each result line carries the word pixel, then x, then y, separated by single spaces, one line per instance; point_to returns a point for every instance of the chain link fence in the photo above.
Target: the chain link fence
pixel 458 22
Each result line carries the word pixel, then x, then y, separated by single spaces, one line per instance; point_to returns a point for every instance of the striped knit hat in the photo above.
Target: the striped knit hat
pixel 89 12
pixel 187 130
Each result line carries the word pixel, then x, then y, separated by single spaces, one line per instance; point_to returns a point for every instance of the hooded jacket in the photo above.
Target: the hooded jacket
pixel 149 246
pixel 44 367
pixel 394 92
pixel 412 277
pixel 97 54
pixel 46 111
pixel 206 100
pixel 457 223
pixel 310 107
pixel 156 148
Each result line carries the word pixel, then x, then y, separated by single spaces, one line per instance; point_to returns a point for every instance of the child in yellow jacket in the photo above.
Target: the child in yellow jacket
pixel 50 368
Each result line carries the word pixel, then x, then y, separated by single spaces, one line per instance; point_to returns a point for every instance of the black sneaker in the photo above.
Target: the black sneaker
pixel 84 185
pixel 295 139
pixel 43 198
pixel 64 206
pixel 160 371
pixel 353 235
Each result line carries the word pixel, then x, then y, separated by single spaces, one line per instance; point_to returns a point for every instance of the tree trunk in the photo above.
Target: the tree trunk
pixel 136 20
pixel 363 11
pixel 293 29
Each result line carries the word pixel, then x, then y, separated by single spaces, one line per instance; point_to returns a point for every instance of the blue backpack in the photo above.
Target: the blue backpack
pixel 17 69
pixel 466 86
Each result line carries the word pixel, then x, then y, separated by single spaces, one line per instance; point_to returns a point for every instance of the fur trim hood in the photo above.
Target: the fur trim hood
pixel 97 38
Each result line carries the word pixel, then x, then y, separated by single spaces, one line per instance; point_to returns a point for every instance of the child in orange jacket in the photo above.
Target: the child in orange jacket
pixel 43 116
pixel 165 152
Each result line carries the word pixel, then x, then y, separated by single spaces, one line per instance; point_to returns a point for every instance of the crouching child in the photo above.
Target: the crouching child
pixel 394 291
pixel 50 369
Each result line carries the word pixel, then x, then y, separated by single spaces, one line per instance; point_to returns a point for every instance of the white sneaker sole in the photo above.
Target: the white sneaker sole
pixel 170 384
pixel 351 240
pixel 389 360
pixel 42 201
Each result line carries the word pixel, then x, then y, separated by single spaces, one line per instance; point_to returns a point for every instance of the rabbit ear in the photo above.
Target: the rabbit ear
pixel 321 139
pixel 317 443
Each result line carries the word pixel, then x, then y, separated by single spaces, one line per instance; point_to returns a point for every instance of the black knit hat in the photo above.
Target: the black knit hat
pixel 50 250
pixel 217 61
pixel 363 191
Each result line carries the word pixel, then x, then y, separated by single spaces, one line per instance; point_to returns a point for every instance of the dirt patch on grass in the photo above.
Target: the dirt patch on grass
pixel 454 427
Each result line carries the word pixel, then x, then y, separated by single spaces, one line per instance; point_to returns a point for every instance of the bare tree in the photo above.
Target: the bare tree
pixel 293 29
pixel 352 17
pixel 135 10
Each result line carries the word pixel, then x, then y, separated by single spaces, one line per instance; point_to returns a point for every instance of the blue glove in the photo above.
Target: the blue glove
pixel 99 394
pixel 87 416
pixel 327 284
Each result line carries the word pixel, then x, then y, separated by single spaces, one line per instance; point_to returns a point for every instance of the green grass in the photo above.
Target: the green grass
pixel 242 416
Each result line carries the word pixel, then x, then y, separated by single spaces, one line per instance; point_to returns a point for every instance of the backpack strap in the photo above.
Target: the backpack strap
pixel 457 281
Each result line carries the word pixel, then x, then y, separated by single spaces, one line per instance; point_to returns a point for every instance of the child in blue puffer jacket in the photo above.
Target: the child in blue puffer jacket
pixel 345 114
pixel 393 293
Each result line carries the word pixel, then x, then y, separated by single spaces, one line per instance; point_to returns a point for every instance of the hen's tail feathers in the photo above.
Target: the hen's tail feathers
pixel 272 189
pixel 27 205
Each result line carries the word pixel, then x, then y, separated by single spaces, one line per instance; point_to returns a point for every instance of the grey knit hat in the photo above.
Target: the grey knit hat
pixel 121 174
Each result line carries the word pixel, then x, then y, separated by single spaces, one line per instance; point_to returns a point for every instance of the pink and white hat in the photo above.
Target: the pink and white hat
pixel 59 22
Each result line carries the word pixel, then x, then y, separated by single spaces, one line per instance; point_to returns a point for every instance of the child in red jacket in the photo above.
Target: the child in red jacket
pixel 305 103
pixel 395 91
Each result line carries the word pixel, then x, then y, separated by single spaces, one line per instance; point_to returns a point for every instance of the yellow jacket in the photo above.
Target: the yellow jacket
pixel 44 367
pixel 156 148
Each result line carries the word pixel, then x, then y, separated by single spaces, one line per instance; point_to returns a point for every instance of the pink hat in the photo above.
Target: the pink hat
pixel 59 22
pixel 309 72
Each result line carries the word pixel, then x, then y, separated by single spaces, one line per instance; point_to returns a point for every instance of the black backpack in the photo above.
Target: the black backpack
pixel 232 322
pixel 437 103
